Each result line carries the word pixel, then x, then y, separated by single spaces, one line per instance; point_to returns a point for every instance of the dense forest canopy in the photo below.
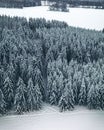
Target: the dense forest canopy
pixel 48 61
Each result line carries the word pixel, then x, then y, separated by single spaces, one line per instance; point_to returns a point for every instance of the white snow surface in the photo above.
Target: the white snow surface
pixel 77 17
pixel 49 118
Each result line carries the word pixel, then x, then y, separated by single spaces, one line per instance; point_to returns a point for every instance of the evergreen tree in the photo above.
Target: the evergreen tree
pixel 11 73
pixel 8 92
pixel 49 86
pixel 101 92
pixel 76 85
pixel 60 84
pixel 1 77
pixel 67 99
pixel 38 97
pixel 2 103
pixel 93 99
pixel 34 97
pixel 20 100
pixel 83 94
pixel 53 94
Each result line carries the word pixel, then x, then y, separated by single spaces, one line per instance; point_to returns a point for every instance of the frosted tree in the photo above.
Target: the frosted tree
pixel 30 72
pixel 67 99
pixel 93 99
pixel 20 100
pixel 60 84
pixel 24 70
pixel 83 94
pixel 101 92
pixel 38 79
pixel 38 97
pixel 2 103
pixel 30 95
pixel 8 92
pixel 49 86
pixel 11 73
pixel 75 90
pixel 53 94
pixel 1 77
pixel 34 97
pixel 76 86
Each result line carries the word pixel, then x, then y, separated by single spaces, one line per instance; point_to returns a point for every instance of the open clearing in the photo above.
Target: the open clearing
pixel 49 118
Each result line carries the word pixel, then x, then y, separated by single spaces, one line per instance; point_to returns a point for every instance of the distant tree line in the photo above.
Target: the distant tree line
pixel 48 61
pixel 74 3
pixel 59 5
pixel 19 3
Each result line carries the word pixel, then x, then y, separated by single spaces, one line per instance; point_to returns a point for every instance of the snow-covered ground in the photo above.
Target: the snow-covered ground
pixel 49 118
pixel 78 17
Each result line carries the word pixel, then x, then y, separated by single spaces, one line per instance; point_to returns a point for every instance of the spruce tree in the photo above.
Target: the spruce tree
pixel 83 94
pixel 2 103
pixel 101 92
pixel 11 73
pixel 1 77
pixel 34 97
pixel 38 97
pixel 53 94
pixel 20 100
pixel 93 99
pixel 8 92
pixel 49 86
pixel 67 99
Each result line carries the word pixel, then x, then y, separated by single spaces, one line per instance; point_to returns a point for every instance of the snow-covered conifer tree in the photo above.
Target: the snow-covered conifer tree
pixel 83 94
pixel 67 99
pixel 20 100
pixel 34 97
pixel 101 92
pixel 38 97
pixel 2 103
pixel 53 94
pixel 93 99
pixel 8 92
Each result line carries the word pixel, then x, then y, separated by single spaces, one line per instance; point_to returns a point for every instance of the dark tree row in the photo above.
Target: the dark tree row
pixel 80 2
pixel 19 3
pixel 43 61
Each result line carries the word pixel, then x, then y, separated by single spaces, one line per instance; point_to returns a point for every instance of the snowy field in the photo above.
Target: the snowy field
pixel 51 119
pixel 78 17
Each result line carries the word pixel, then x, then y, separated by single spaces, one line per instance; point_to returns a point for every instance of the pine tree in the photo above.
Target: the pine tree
pixel 93 99
pixel 76 86
pixel 49 86
pixel 101 92
pixel 53 94
pixel 2 103
pixel 8 92
pixel 34 97
pixel 60 85
pixel 83 94
pixel 20 100
pixel 38 97
pixel 67 99
pixel 1 77
pixel 30 95
pixel 11 73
